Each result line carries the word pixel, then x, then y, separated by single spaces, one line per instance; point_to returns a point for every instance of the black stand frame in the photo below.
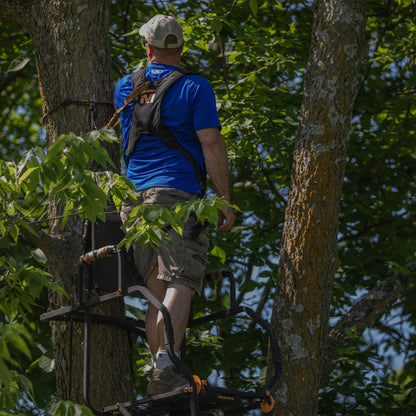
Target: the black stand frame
pixel 199 396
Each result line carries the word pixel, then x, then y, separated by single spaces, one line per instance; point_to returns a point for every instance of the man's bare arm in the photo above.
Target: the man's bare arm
pixel 216 162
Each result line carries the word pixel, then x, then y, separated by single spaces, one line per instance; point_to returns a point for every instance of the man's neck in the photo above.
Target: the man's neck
pixel 174 60
pixel 166 61
pixel 168 57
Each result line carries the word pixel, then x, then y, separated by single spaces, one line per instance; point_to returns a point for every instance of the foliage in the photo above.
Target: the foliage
pixel 20 101
pixel 24 343
pixel 66 408
pixel 254 54
pixel 155 220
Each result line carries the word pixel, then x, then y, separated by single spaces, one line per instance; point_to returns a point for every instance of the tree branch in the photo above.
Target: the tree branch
pixel 8 79
pixel 387 12
pixel 363 315
pixel 51 246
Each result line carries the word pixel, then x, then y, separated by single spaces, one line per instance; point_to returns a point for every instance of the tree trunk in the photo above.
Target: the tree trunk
pixel 308 257
pixel 70 41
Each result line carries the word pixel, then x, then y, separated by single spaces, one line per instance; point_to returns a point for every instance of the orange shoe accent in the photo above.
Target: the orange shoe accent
pixel 198 384
pixel 267 404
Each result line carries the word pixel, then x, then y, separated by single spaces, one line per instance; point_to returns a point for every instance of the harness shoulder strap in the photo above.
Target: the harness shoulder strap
pixel 138 78
pixel 147 121
pixel 141 87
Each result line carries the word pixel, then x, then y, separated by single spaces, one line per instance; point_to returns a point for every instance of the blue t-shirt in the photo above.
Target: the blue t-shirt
pixel 188 106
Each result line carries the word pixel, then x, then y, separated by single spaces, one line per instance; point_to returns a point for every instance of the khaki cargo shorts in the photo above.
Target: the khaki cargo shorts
pixel 185 259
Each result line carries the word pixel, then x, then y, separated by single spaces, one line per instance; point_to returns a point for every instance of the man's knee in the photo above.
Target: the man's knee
pixel 182 291
pixel 156 286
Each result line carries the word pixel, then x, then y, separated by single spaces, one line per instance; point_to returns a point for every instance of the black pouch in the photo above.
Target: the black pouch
pixel 104 274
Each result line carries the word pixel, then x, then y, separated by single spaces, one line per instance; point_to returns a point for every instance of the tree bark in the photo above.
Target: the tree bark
pixel 70 41
pixel 308 258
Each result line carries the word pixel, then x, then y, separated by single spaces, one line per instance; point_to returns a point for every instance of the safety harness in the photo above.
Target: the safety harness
pixel 146 117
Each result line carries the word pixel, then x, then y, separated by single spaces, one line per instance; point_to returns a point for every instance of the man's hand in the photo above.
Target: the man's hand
pixel 226 219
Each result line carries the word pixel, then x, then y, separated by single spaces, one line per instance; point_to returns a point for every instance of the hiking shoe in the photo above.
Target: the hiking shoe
pixel 165 380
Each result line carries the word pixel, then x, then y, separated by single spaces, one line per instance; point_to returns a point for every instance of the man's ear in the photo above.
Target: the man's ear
pixel 149 50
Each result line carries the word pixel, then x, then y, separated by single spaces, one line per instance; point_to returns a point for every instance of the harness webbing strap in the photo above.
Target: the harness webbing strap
pixel 115 119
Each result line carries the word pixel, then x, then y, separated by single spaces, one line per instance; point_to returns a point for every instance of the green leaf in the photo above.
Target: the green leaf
pixel 4 374
pixel 4 351
pixel 109 135
pixel 202 44
pixel 18 64
pixel 14 232
pixel 27 227
pixel 216 26
pixel 220 253
pixel 49 174
pixel 57 147
pixel 254 7
pixel 20 344
pixel 30 172
pixel 67 408
pixel 47 364
pixel 132 33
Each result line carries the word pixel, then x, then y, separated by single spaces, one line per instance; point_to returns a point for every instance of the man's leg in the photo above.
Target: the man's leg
pixel 178 302
pixel 158 288
pixel 181 268
pixel 177 299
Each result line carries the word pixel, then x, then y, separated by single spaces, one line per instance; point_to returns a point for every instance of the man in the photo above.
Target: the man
pixel 166 174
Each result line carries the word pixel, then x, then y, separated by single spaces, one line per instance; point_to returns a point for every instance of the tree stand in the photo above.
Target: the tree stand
pixel 110 270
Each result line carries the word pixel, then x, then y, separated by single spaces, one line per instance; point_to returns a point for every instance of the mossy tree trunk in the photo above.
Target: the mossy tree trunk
pixel 308 256
pixel 70 42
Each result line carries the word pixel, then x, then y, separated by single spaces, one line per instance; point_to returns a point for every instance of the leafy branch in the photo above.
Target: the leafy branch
pixel 61 175
pixel 364 313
